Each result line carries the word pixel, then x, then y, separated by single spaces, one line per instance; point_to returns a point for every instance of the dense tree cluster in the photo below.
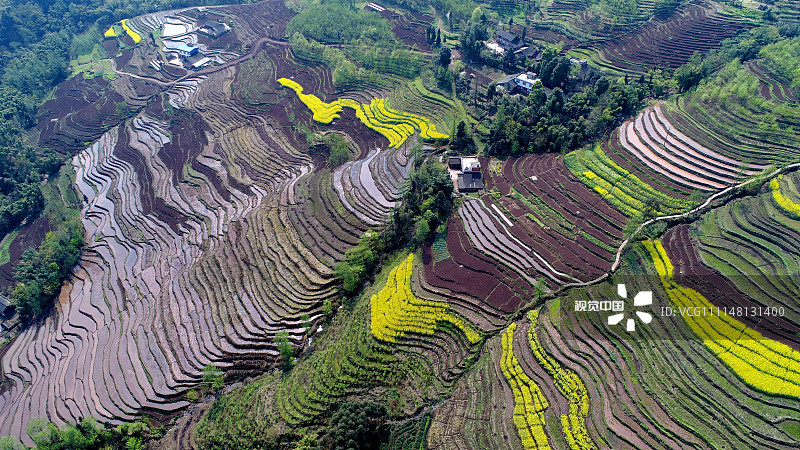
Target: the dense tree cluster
pixel 339 150
pixel 370 43
pixel 542 122
pixel 360 262
pixel 21 166
pixel 426 205
pixel 462 142
pixel 471 41
pixel 40 272
pixel 744 47
pixel 338 23
pixel 356 426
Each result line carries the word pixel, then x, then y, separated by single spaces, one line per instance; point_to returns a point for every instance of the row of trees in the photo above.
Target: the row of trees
pixel 85 435
pixel 425 207
pixel 41 271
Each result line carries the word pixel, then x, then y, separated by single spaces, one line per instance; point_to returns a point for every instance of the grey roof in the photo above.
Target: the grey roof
pixel 194 58
pixel 506 79
pixel 214 29
pixel 5 305
pixel 510 37
pixel 470 182
pixel 527 51
pixel 215 26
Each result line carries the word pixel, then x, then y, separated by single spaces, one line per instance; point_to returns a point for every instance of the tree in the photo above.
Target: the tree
pixel 651 208
pixel 690 74
pixel 664 6
pixel 538 96
pixel 423 230
pixel 444 78
pixel 509 60
pixel 445 56
pixel 601 86
pixel 359 262
pixel 560 74
pixel 356 426
pixel 213 377
pixel 539 286
pixel 340 151
pixel 284 347
pixel 476 14
pixel 9 443
pixel 490 91
pixel 461 142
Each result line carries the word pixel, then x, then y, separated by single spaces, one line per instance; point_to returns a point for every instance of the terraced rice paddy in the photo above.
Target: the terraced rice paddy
pixel 396 311
pixel 765 364
pixel 752 244
pixel 666 41
pixel 210 230
pixel 755 123
pixel 213 231
pixel 556 227
pixel 666 151
pixel 529 403
pixel 570 385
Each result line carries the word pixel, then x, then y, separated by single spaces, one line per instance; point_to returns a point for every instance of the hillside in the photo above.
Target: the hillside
pixel 255 242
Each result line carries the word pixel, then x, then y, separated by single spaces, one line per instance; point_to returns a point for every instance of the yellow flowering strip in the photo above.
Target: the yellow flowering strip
pixel 624 190
pixel 134 35
pixel 396 126
pixel 569 384
pixel 110 32
pixel 763 363
pixel 323 112
pixel 396 311
pixel 782 201
pixel 529 403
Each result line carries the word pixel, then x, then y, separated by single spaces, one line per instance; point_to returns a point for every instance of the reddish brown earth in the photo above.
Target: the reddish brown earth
pixel 583 211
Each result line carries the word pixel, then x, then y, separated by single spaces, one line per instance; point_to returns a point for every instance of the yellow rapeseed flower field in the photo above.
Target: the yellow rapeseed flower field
pixel 763 363
pixel 529 403
pixel 569 384
pixel 134 35
pixel 396 126
pixel 782 201
pixel 396 311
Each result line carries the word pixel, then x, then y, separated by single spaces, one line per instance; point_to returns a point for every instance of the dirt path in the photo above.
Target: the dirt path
pixel 695 210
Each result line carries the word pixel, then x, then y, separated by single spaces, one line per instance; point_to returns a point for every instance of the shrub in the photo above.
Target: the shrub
pixel 340 151
pixel 213 377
